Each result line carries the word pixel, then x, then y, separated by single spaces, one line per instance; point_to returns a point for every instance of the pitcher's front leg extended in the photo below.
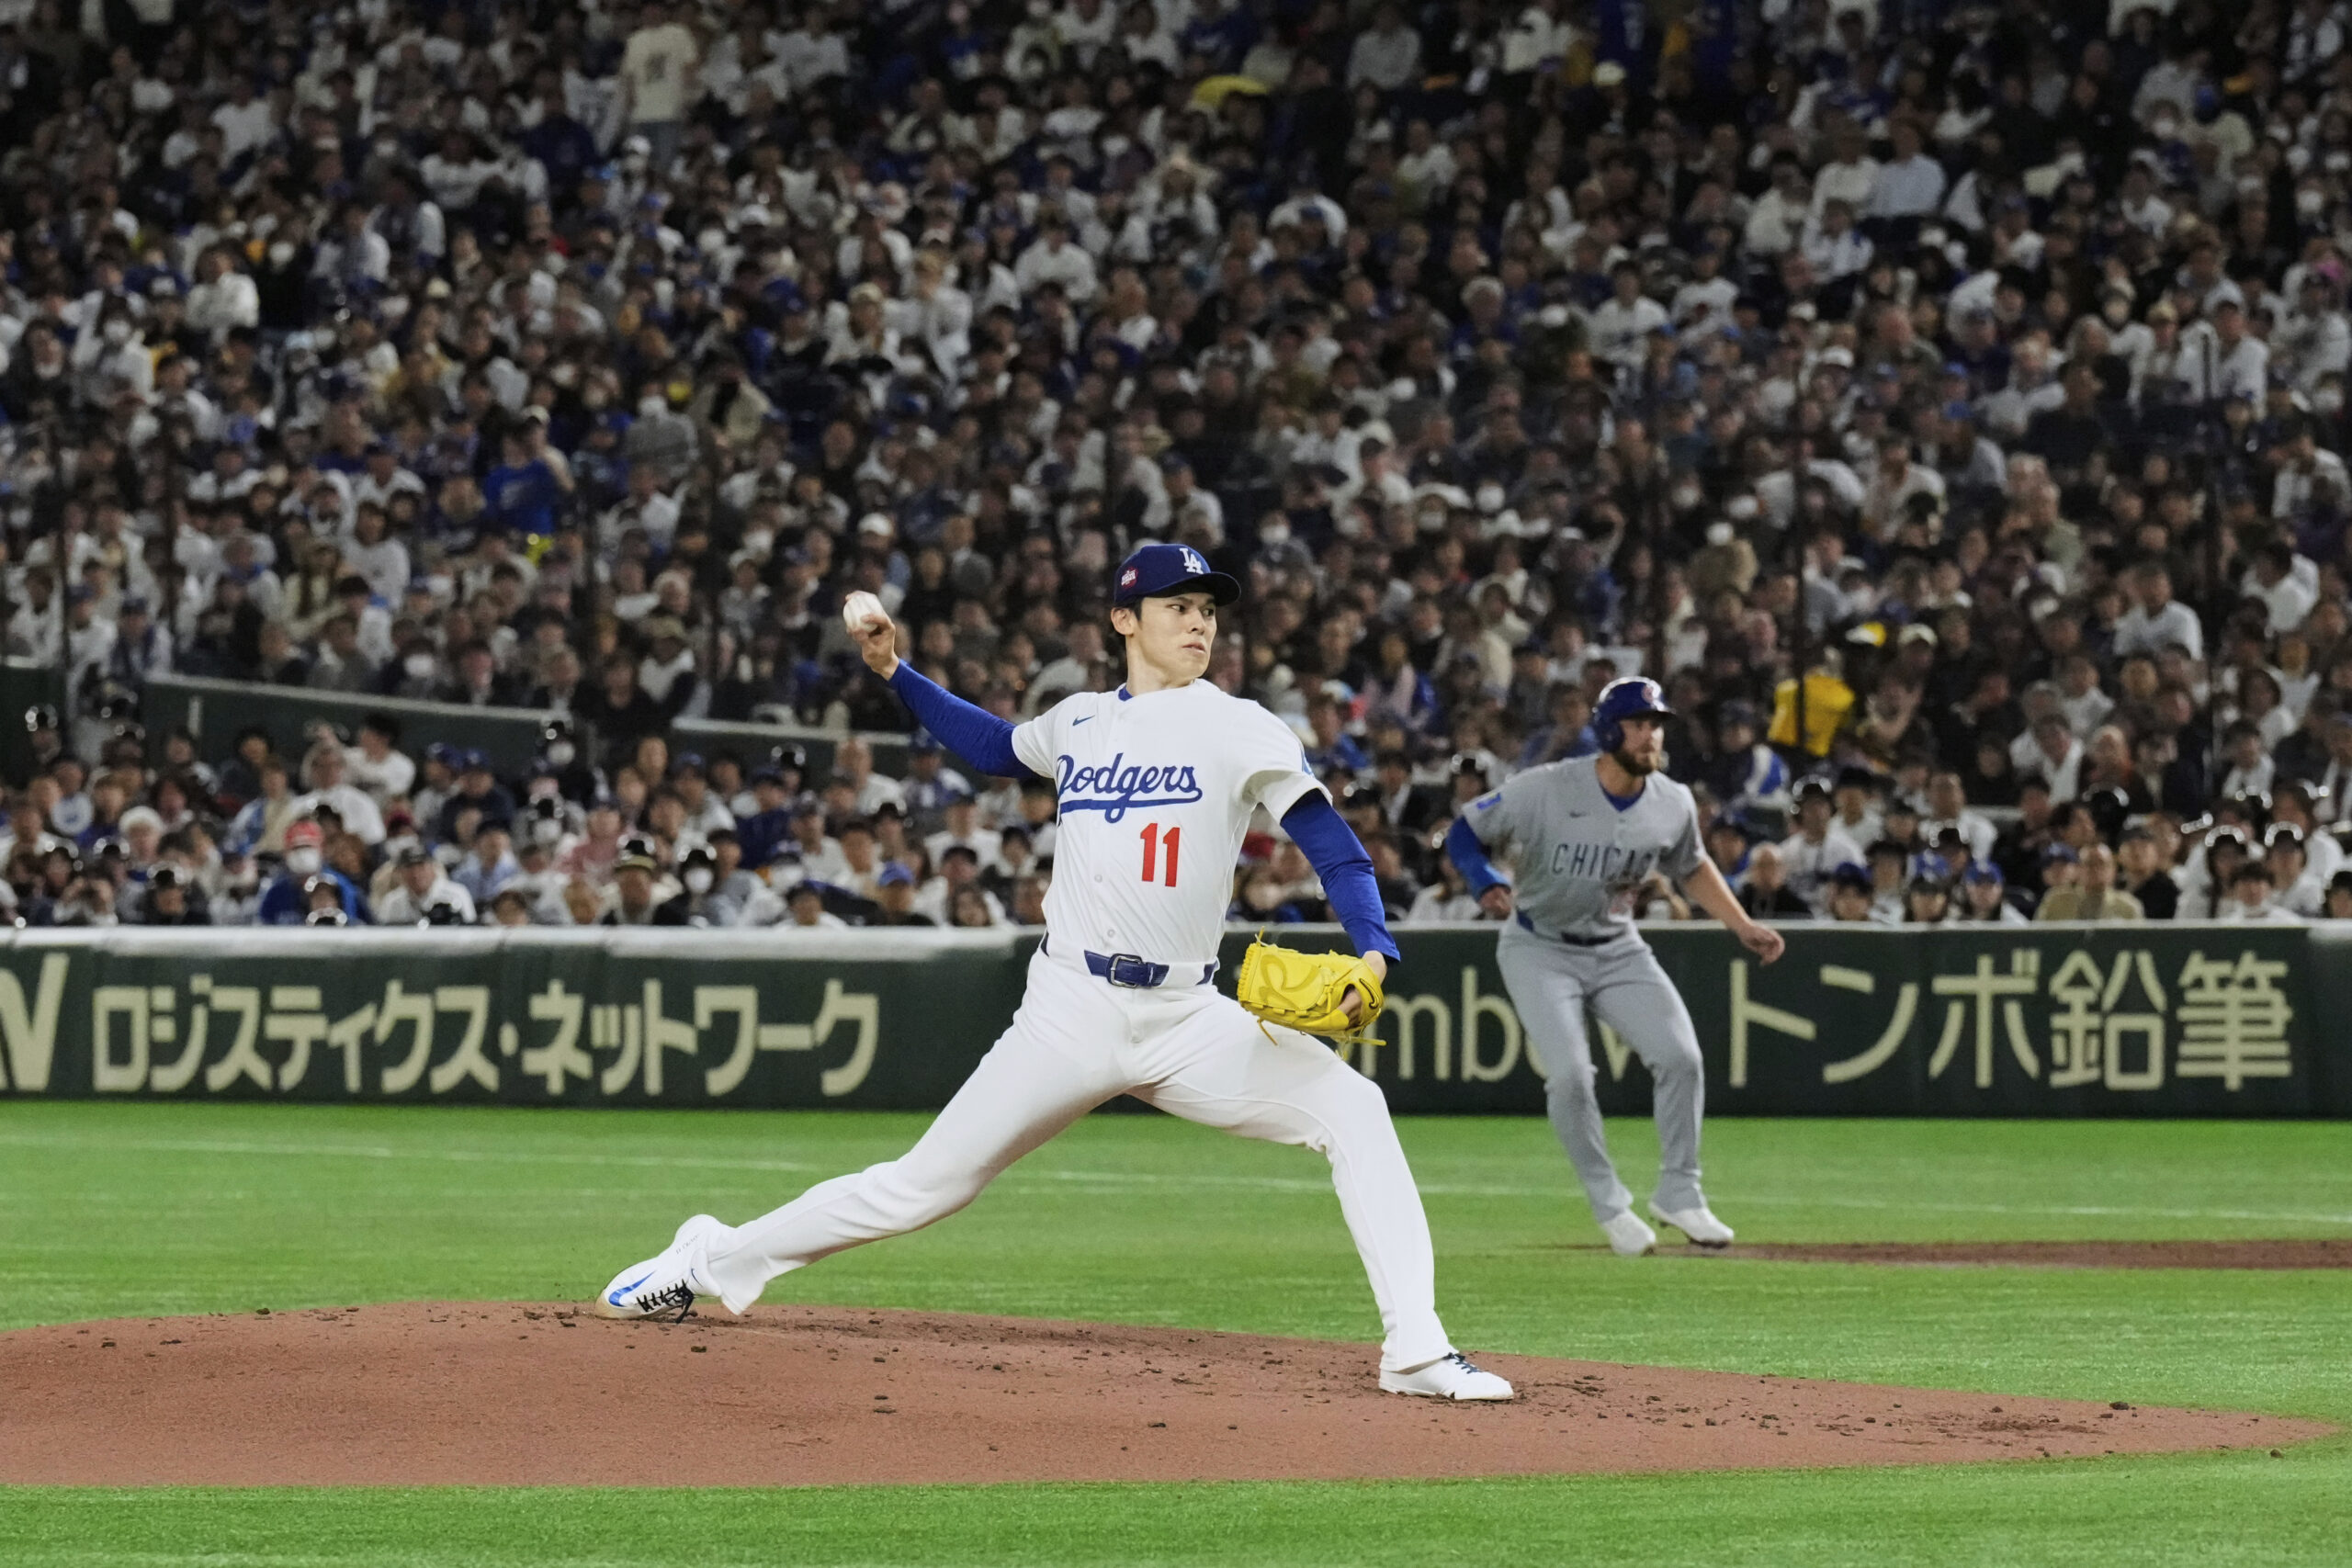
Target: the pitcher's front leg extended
pixel 1023 1093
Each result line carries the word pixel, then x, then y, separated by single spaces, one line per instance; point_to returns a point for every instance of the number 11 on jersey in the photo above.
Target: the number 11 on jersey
pixel 1153 842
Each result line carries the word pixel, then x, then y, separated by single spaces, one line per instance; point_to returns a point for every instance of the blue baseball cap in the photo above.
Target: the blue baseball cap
pixel 896 875
pixel 1981 871
pixel 1156 570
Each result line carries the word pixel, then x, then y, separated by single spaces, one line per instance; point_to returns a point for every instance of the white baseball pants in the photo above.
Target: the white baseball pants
pixel 1077 1042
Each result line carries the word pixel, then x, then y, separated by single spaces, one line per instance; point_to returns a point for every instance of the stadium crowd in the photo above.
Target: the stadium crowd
pixel 1944 401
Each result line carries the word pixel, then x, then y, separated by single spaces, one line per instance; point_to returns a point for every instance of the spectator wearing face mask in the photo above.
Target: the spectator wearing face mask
pixel 561 757
pixel 288 900
pixel 700 903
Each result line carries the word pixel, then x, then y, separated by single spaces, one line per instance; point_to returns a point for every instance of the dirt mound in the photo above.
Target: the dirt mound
pixel 509 1394
pixel 2331 1254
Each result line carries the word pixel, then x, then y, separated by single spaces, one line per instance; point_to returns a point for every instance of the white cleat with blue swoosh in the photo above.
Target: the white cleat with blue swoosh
pixel 668 1282
pixel 1454 1376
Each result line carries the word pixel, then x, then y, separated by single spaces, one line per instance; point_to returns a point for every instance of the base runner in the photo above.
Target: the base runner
pixel 1582 837
pixel 1155 785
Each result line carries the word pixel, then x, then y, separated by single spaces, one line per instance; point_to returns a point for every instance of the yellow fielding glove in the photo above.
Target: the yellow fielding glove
pixel 1304 990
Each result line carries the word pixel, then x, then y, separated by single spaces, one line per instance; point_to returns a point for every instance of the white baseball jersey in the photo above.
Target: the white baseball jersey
pixel 1156 793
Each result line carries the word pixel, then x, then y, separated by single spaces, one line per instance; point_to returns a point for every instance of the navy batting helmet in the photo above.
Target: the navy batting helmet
pixel 1633 697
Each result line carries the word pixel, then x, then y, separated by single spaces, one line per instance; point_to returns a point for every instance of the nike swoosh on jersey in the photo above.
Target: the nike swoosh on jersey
pixel 1076 722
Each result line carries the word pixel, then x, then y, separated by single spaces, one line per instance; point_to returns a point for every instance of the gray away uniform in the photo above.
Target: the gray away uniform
pixel 1578 861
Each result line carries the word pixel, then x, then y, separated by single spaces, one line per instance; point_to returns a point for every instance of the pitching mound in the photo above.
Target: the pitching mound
pixel 2332 1254
pixel 508 1394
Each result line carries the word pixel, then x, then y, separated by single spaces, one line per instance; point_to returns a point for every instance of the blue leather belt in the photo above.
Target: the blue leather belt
pixel 1562 936
pixel 1125 969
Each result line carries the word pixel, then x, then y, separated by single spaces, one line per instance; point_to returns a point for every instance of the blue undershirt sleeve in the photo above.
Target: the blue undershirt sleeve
pixel 972 733
pixel 1469 857
pixel 1331 847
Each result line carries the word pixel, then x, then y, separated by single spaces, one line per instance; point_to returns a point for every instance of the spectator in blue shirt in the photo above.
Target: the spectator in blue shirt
pixel 523 492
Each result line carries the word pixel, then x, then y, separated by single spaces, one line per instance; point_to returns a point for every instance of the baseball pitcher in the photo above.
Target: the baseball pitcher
pixel 1155 785
pixel 1582 837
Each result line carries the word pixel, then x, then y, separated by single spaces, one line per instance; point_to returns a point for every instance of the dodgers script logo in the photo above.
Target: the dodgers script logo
pixel 1117 787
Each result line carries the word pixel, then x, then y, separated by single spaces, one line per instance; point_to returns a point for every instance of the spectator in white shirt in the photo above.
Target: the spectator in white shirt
pixel 2142 207
pixel 1619 329
pixel 244 120
pixel 2285 583
pixel 2311 478
pixel 1810 855
pixel 1053 258
pixel 1912 185
pixel 2251 769
pixel 813 51
pixel 1704 304
pixel 1777 221
pixel 1948 807
pixel 1851 177
pixel 963 828
pixel 2083 702
pixel 658 84
pixel 1389 56
pixel 1834 247
pixel 2314 341
pixel 2219 359
pixel 2057 757
pixel 819 856
pixel 385 772
pixel 322 772
pixel 224 297
pixel 2157 621
pixel 420 886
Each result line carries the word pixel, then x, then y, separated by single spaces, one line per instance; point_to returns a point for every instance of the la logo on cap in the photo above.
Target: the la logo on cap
pixel 1193 563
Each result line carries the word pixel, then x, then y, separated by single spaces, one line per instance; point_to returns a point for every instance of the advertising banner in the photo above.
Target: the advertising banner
pixel 2059 1020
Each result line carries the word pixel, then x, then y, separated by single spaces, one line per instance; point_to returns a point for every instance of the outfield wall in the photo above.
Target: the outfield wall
pixel 2044 1020
pixel 215 711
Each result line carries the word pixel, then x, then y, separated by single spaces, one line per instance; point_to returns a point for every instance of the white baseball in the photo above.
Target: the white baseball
pixel 859 608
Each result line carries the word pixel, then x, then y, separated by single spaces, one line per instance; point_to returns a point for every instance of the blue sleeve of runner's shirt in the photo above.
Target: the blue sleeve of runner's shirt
pixel 972 733
pixel 1469 857
pixel 1332 848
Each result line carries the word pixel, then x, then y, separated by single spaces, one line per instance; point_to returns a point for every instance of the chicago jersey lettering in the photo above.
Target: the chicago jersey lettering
pixel 1578 861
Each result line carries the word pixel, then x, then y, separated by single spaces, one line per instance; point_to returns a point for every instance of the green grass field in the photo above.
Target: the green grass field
pixel 121 1209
